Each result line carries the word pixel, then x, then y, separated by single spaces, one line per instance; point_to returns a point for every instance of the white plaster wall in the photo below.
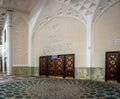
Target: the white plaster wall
pixel 106 34
pixel 34 14
pixel 61 35
pixel 20 39
pixel 50 11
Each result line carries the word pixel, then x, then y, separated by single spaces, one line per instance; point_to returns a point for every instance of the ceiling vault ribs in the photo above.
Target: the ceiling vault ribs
pixel 24 6
pixel 93 8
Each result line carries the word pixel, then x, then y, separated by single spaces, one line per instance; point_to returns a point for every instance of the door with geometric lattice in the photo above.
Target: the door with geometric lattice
pixel 59 69
pixel 43 65
pixel 69 65
pixel 57 65
pixel 112 66
pixel 51 66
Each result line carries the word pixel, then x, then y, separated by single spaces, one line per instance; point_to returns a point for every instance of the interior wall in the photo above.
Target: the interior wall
pixel 59 29
pixel 20 39
pixel 106 35
pixel 61 35
pixel 55 31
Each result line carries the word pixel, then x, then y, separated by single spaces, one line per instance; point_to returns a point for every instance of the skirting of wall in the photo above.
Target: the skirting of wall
pixel 96 73
pixel 25 71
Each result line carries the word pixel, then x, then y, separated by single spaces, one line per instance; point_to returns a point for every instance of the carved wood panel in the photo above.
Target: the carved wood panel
pixel 60 66
pixel 57 65
pixel 43 65
pixel 51 66
pixel 69 68
pixel 112 66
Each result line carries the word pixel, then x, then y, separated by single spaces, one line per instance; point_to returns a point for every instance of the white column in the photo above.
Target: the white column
pixel 89 41
pixel 89 44
pixel 3 52
pixel 9 42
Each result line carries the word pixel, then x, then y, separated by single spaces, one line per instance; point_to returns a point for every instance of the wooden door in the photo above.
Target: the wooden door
pixel 59 69
pixel 112 66
pixel 69 65
pixel 43 65
pixel 57 65
pixel 51 66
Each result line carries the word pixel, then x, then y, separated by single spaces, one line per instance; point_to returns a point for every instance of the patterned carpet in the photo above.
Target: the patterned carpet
pixel 49 88
pixel 6 78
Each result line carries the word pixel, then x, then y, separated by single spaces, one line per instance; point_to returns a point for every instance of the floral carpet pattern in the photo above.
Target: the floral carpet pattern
pixel 53 88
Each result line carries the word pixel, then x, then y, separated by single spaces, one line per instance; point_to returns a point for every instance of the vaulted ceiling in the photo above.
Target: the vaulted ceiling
pixel 84 7
pixel 15 5
pixel 21 5
pixel 92 8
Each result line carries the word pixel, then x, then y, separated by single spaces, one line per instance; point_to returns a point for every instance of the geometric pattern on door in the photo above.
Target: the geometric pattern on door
pixel 60 66
pixel 113 66
pixel 57 65
pixel 69 68
pixel 43 65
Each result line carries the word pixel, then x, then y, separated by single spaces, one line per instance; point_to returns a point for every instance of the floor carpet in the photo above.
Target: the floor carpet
pixel 50 88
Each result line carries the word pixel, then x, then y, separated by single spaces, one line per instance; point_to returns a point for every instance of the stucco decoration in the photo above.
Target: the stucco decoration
pixel 57 42
pixel 83 10
pixel 93 8
pixel 103 6
pixel 59 36
pixel 58 9
pixel 79 9
pixel 106 34
pixel 86 8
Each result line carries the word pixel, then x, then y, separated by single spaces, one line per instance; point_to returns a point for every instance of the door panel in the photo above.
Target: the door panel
pixel 60 66
pixel 112 67
pixel 43 65
pixel 51 66
pixel 69 68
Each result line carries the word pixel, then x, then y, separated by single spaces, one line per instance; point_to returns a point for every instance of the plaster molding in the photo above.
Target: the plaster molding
pixel 102 7
pixel 84 7
pixel 91 8
pixel 60 10
pixel 83 10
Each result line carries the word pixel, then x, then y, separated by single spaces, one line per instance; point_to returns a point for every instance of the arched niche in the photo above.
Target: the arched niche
pixel 106 34
pixel 60 35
